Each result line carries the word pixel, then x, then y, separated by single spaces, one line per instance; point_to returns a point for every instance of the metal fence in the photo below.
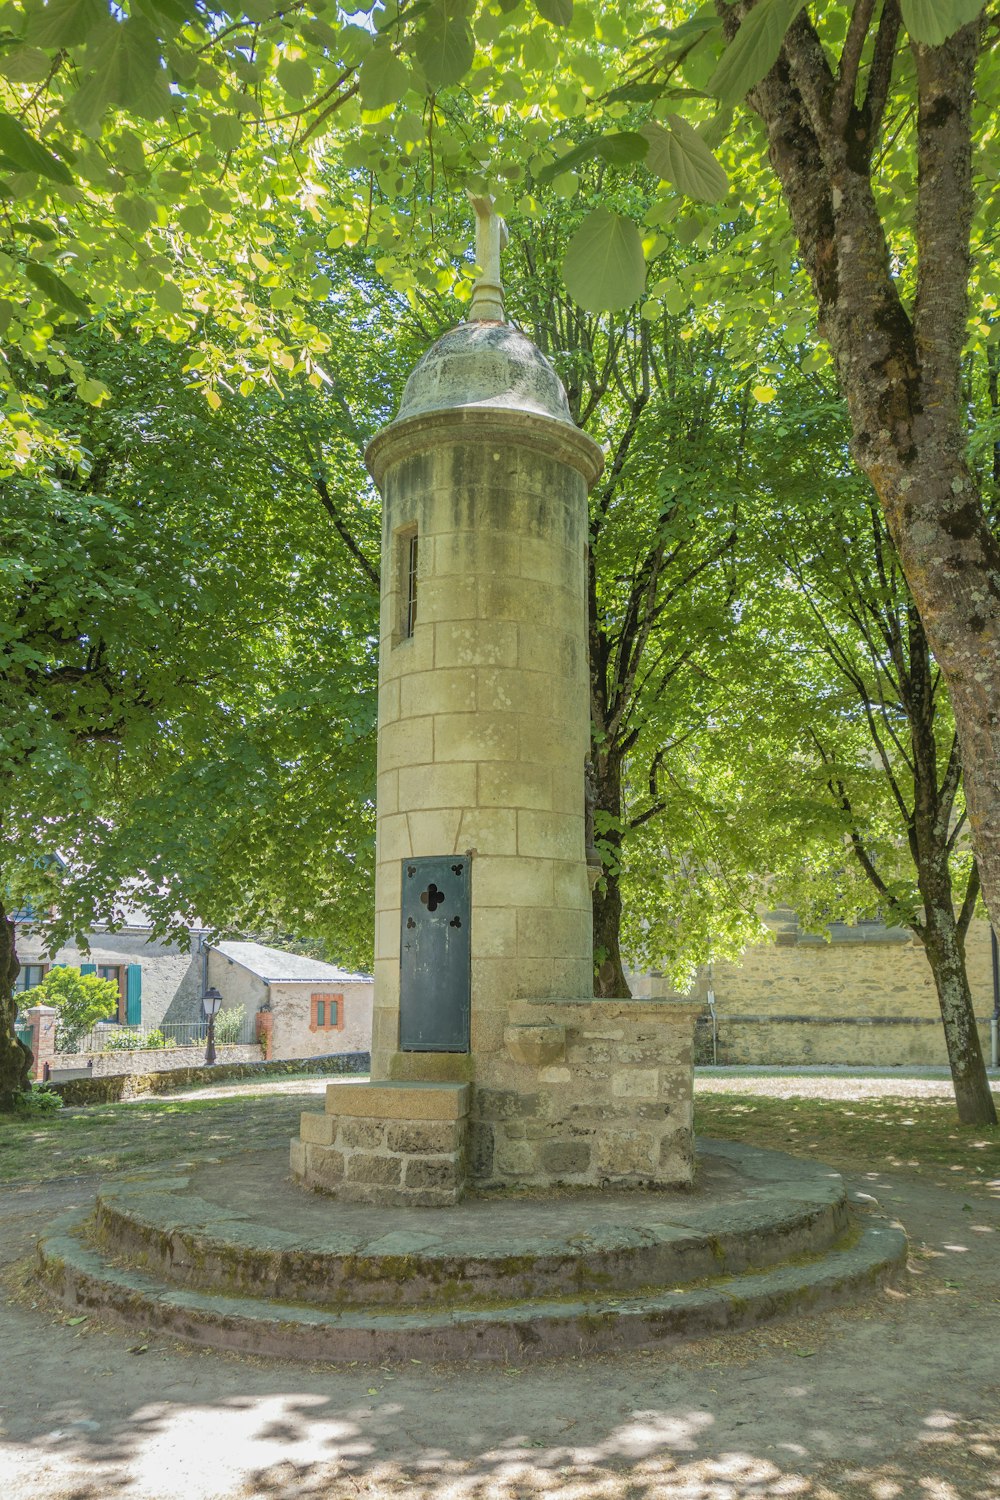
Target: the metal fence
pixel 111 1037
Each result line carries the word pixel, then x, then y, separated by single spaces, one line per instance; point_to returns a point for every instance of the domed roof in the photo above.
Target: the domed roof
pixel 484 365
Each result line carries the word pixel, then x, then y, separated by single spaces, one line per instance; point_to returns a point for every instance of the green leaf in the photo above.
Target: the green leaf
pixel 195 219
pixel 177 11
pixel 37 229
pixel 136 213
pixel 55 289
pixel 25 65
pixel 619 150
pixel 125 70
pixel 295 75
pixel 605 268
pixel 226 131
pixel 63 23
pixel 169 297
pixel 934 21
pixel 29 155
pixel 559 12
pixel 444 46
pixel 678 153
pixel 384 78
pixel 754 50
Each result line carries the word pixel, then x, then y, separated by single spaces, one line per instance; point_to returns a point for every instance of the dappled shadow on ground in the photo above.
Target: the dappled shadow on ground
pixel 288 1446
pixel 893 1399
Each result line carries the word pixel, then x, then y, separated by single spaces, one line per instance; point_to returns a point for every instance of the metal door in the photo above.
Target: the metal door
pixel 435 970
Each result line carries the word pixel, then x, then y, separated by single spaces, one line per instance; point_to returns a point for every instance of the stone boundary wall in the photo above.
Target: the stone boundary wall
pixel 154 1059
pixel 847 1041
pixel 82 1091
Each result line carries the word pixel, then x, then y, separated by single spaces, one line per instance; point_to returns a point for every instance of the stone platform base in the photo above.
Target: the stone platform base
pixel 234 1256
pixel 387 1143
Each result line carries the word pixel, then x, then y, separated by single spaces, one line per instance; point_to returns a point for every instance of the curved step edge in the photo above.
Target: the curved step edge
pixel 79 1280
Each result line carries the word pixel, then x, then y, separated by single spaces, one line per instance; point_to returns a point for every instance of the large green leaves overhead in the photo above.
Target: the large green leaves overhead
pixel 754 50
pixel 678 154
pixel 384 78
pixel 934 21
pixel 125 70
pixel 444 45
pixel 63 23
pixel 605 268
pixel 27 154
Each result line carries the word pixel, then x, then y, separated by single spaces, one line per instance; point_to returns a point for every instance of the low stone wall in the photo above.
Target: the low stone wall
pixel 613 1108
pixel 79 1091
pixel 847 1041
pixel 154 1059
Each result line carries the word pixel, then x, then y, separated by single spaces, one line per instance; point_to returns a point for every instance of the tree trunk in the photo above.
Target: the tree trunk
pixel 900 372
pixel 15 1059
pixel 609 975
pixel 944 949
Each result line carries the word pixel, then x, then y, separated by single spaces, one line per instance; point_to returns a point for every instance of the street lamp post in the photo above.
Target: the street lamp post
pixel 211 1002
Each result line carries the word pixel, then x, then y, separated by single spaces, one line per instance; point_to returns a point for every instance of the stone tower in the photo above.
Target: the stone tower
pixel 484 1008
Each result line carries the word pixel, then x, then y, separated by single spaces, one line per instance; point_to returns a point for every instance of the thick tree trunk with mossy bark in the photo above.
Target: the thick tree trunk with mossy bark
pixel 609 975
pixel 943 946
pixel 15 1059
pixel 899 369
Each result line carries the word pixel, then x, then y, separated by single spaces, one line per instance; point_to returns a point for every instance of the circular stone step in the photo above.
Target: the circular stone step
pixel 244 1229
pixel 511 1333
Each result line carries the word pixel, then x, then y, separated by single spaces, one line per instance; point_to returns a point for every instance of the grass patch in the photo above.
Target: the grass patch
pixel 124 1137
pixel 916 1136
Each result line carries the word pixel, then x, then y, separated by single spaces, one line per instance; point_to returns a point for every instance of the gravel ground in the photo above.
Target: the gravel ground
pixel 777 1083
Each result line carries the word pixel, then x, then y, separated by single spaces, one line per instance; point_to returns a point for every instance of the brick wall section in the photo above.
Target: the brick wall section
pixel 387 1143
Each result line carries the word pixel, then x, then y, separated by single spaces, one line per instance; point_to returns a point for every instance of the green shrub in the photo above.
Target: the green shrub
pixel 81 1000
pixel 123 1039
pixel 38 1100
pixel 229 1024
pixel 155 1038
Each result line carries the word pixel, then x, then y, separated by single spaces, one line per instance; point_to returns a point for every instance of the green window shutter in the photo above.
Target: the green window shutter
pixel 133 995
pixel 88 968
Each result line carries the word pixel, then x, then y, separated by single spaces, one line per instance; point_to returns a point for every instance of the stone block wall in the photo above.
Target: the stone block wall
pixel 386 1144
pixel 614 1109
pixel 866 998
pixel 143 1060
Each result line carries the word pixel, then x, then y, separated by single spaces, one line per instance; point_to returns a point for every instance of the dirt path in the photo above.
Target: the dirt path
pixel 897 1399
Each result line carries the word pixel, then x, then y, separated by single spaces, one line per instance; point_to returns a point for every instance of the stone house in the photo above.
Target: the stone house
pixel 159 983
pixel 307 1008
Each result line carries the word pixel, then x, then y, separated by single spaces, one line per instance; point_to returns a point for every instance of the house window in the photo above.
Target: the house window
pixel 327 1013
pixel 30 975
pixel 116 973
pixel 406 572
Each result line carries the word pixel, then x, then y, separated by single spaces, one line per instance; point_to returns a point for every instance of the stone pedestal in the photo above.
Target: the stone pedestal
pixel 597 1094
pixel 387 1143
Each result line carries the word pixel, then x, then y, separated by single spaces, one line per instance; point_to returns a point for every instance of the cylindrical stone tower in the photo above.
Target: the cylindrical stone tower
pixel 492 1062
pixel 483 688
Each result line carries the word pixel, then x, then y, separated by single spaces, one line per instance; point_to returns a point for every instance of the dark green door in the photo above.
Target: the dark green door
pixel 434 965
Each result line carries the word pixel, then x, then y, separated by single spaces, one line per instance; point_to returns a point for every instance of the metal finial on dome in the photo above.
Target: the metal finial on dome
pixel 491 237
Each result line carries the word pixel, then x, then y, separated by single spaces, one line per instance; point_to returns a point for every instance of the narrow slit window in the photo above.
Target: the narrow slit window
pixel 410 591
